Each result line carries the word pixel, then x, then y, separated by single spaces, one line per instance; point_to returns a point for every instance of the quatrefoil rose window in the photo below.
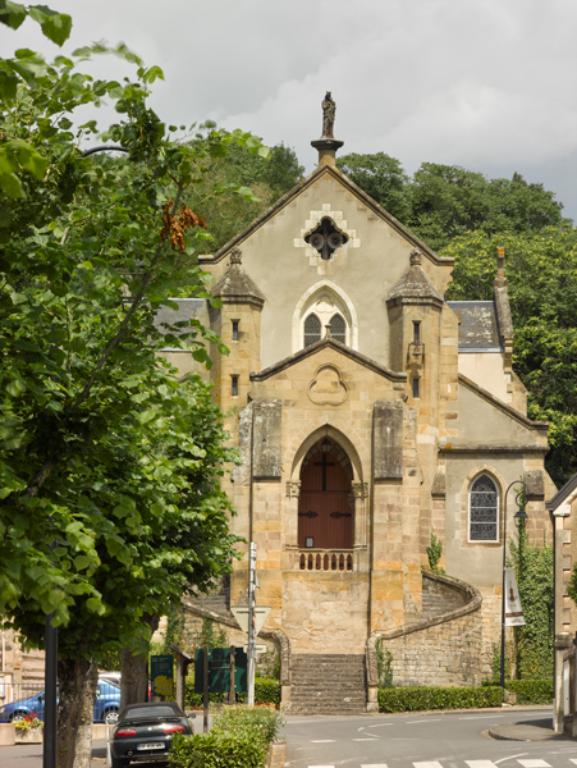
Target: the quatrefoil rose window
pixel 326 237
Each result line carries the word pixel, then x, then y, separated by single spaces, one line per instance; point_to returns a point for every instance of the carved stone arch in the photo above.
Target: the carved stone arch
pixel 328 290
pixel 327 430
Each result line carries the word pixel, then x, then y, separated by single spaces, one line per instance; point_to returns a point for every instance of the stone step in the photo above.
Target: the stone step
pixel 328 684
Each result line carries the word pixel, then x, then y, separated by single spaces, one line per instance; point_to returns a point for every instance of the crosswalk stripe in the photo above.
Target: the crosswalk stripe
pixel 573 760
pixel 367 738
pixel 480 764
pixel 321 741
pixel 374 765
pixel 428 764
pixel 534 764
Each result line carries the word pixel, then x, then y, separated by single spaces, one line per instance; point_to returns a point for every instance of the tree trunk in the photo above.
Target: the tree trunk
pixel 134 669
pixel 77 679
pixel 134 680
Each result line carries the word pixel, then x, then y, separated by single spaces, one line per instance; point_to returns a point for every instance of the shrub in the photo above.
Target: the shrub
pixel 415 698
pixel 194 700
pixel 217 749
pixel 266 691
pixel 260 723
pixel 531 691
pixel 239 739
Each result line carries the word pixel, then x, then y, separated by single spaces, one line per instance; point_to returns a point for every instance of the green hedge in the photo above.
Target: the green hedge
pixel 239 738
pixel 217 750
pixel 416 698
pixel 266 691
pixel 531 691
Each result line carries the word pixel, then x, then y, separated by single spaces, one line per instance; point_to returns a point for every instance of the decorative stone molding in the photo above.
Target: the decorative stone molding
pixel 327 387
pixel 360 490
pixel 293 489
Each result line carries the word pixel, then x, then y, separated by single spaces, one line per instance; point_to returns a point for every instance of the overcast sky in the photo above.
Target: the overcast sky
pixel 487 84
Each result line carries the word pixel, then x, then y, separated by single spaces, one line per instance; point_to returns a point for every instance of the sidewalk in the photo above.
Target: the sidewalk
pixel 527 729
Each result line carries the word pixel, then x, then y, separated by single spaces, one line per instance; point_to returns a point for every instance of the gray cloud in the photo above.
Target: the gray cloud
pixel 487 84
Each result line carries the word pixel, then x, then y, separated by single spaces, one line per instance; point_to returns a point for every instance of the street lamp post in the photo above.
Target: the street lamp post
pixel 520 517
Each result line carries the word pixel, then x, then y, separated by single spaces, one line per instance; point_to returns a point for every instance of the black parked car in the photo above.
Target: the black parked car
pixel 144 732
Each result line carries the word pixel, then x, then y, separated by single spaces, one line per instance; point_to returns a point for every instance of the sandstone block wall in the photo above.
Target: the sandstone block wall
pixel 444 654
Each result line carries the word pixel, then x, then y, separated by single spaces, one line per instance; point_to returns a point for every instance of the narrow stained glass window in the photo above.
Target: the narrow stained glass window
pixel 338 328
pixel 312 330
pixel 483 510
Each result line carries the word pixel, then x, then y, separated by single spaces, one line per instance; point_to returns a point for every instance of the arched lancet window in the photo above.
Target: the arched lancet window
pixel 483 510
pixel 325 311
pixel 326 300
pixel 312 329
pixel 338 328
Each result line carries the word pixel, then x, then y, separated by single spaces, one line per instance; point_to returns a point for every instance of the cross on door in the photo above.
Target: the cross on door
pixel 324 463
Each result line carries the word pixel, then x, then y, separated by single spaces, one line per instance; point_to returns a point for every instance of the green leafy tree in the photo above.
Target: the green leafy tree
pixel 238 181
pixel 542 276
pixel 383 178
pixel 441 202
pixel 110 504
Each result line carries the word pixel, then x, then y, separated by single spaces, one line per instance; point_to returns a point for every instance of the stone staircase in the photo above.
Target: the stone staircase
pixel 440 597
pixel 328 684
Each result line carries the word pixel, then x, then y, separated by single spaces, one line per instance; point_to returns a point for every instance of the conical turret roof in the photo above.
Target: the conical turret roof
pixel 235 286
pixel 414 286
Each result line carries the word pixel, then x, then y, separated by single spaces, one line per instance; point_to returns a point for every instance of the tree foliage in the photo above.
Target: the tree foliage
pixel 110 500
pixel 467 216
pixel 383 178
pixel 541 270
pixel 441 202
pixel 237 184
pixel 534 640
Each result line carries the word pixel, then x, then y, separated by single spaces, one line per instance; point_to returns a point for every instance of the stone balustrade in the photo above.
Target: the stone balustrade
pixel 324 560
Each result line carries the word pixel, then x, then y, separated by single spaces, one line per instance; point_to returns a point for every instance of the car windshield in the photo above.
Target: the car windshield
pixel 140 712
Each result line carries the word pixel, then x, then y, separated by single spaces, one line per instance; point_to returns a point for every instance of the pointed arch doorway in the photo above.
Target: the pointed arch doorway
pixel 326 504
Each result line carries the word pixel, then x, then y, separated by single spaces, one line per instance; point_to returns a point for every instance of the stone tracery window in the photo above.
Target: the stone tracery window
pixel 312 329
pixel 325 309
pixel 326 237
pixel 338 328
pixel 483 510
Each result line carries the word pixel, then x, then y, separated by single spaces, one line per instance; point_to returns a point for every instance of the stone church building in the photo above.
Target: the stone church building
pixel 371 416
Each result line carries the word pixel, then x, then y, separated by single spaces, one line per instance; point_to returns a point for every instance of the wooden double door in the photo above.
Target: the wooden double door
pixel 326 504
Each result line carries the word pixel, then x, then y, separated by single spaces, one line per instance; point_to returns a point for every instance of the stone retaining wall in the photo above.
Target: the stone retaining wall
pixel 443 654
pixel 444 649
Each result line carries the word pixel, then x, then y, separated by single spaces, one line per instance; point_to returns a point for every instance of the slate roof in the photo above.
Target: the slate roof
pixel 562 493
pixel 185 311
pixel 478 326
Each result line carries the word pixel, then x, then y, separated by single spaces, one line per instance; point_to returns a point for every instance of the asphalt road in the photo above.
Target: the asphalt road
pixel 443 740
pixel 437 740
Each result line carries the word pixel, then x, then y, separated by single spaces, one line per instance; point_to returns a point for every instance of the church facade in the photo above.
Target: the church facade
pixel 375 421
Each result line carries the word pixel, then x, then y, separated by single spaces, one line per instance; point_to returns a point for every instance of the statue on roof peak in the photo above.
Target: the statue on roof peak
pixel 329 109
